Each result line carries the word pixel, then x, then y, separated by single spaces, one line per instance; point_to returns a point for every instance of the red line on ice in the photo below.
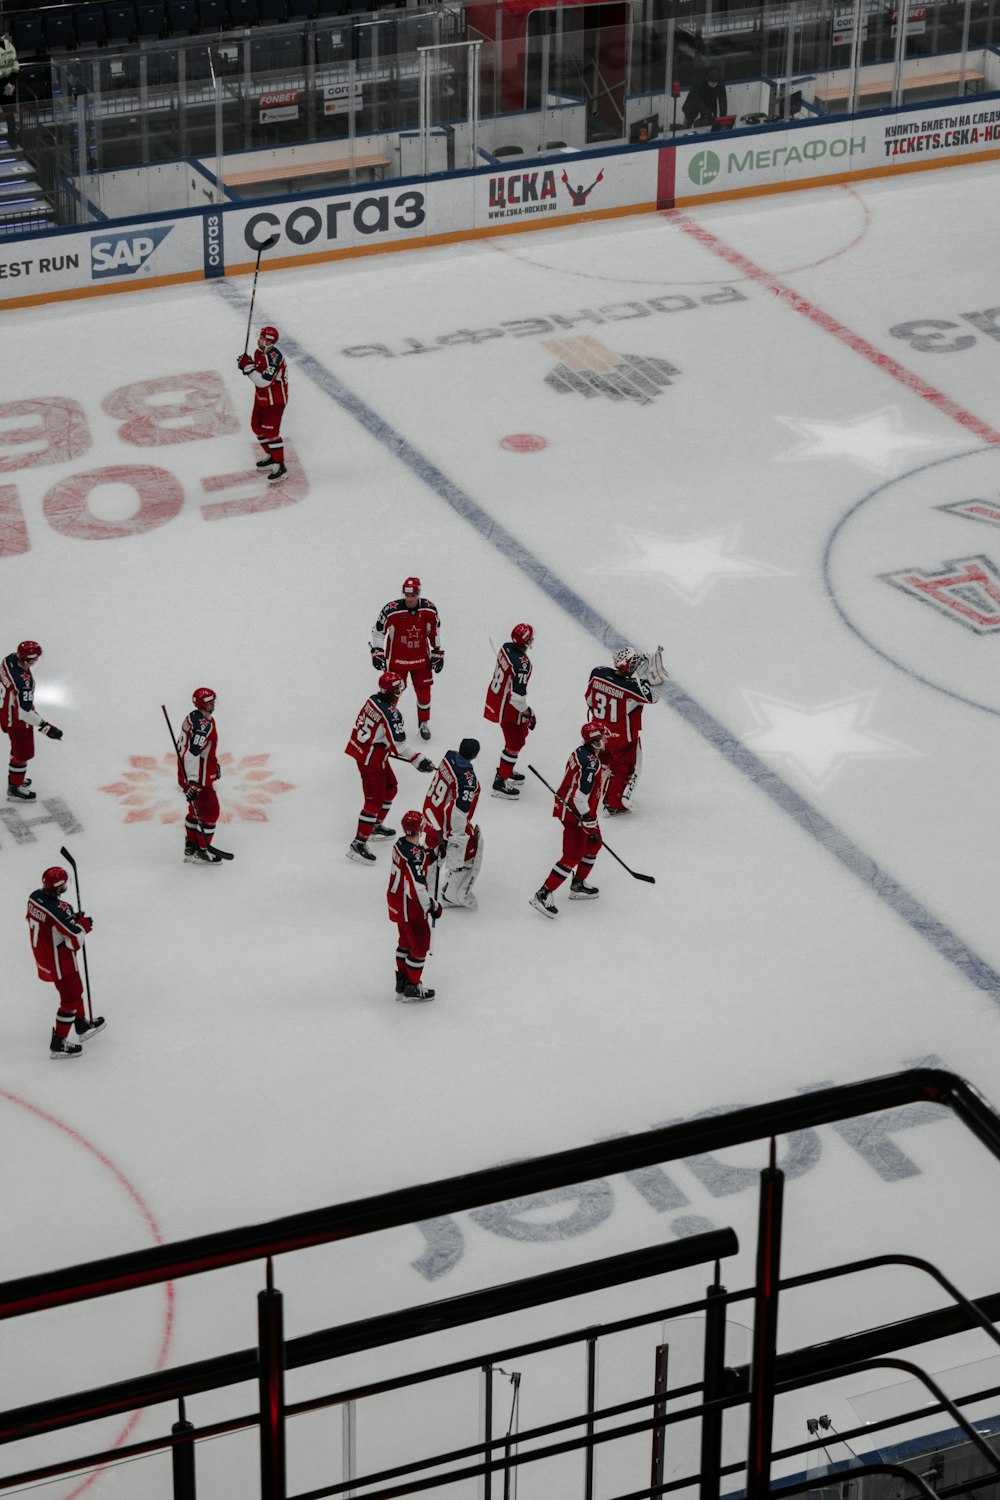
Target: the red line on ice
pixel 832 325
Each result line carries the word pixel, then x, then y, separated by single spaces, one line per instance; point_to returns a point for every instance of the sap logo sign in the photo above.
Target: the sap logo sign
pixel 124 254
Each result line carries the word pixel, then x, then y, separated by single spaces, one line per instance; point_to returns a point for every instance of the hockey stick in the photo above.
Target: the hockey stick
pixel 180 767
pixel 649 879
pixel 83 947
pixel 253 294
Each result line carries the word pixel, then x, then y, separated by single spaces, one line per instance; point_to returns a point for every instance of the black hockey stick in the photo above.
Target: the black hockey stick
pixel 83 947
pixel 649 879
pixel 253 295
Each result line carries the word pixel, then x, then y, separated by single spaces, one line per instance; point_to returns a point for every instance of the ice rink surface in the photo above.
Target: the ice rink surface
pixel 766 435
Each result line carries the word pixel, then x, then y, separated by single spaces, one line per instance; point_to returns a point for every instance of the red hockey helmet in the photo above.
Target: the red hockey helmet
pixel 29 651
pixel 204 698
pixel 391 683
pixel 268 332
pixel 55 878
pixel 592 731
pixel 412 822
pixel 411 586
pixel 523 636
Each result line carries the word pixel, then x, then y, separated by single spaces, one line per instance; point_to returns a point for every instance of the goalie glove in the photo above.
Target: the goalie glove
pixel 655 671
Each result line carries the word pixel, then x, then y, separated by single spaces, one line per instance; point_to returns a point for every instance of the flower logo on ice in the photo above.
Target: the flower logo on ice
pixel 149 790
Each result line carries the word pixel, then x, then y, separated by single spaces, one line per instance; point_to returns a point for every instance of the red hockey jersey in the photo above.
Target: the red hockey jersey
pixel 270 377
pixel 617 702
pixel 580 789
pixel 450 804
pixel 56 935
pixel 407 894
pixel 378 733
pixel 17 694
pixel 407 637
pixel 506 700
pixel 197 753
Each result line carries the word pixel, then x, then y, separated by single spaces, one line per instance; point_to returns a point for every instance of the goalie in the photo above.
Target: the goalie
pixel 449 808
pixel 616 697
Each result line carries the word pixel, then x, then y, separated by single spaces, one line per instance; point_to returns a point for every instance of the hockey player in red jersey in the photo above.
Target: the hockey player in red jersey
pixel 616 697
pixel 19 719
pixel 57 935
pixel 379 735
pixel 197 772
pixel 410 905
pixel 575 806
pixel 267 369
pixel 406 639
pixel 507 705
pixel 450 833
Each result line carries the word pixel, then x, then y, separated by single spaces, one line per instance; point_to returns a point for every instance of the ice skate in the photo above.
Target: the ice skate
pixel 359 850
pixel 414 992
pixel 60 1049
pixel 400 982
pixel 580 891
pixel 202 857
pixel 516 776
pixel 542 902
pixel 425 730
pixel 504 789
pixel 87 1029
pixel 382 831
pixel 19 793
pixel 278 473
pixel 265 463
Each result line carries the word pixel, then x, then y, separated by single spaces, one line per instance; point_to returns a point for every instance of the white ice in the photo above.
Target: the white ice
pixel 817 804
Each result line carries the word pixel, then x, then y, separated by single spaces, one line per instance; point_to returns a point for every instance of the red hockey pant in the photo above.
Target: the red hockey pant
pixel 70 990
pixel 266 427
pixel 421 679
pixel 380 786
pixel 204 810
pixel 579 851
pixel 620 761
pixel 514 737
pixel 411 951
pixel 22 749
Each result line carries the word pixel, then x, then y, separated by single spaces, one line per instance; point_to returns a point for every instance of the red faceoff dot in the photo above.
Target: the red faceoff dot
pixel 523 442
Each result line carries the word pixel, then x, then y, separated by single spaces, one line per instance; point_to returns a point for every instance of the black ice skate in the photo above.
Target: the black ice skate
pixel 580 891
pixel 515 776
pixel 400 981
pixel 425 730
pixel 504 789
pixel 59 1049
pixel 359 850
pixel 278 473
pixel 415 992
pixel 86 1029
pixel 19 793
pixel 542 901
pixel 265 463
pixel 380 831
pixel 202 857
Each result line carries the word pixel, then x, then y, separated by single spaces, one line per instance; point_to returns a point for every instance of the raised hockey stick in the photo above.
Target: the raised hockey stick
pixel 649 879
pixel 83 947
pixel 253 294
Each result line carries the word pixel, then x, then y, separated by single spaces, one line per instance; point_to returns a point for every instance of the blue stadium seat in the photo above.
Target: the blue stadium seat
pixel 182 17
pixel 151 19
pixel 26 33
pixel 212 15
pixel 242 12
pixel 272 12
pixel 120 20
pixel 90 29
pixel 59 28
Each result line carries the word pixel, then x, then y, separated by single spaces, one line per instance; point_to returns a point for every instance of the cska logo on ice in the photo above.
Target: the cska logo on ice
pixel 967 590
pixel 535 192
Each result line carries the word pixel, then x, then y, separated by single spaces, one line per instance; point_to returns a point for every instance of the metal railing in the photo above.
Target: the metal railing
pixel 753 1387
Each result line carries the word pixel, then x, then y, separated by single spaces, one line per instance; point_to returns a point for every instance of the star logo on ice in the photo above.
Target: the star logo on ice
pixel 818 742
pixel 149 789
pixel 691 566
pixel 878 441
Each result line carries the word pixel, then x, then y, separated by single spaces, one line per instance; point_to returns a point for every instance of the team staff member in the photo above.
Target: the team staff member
pixel 18 718
pixel 57 935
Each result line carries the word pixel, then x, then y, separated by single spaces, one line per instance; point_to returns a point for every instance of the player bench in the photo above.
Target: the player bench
pixel 876 88
pixel 337 166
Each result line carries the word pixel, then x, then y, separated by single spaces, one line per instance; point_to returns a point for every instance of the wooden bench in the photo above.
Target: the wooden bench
pixel 298 171
pixel 874 88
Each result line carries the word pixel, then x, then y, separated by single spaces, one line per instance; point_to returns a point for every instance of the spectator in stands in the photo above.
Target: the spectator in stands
pixel 706 99
pixel 9 66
